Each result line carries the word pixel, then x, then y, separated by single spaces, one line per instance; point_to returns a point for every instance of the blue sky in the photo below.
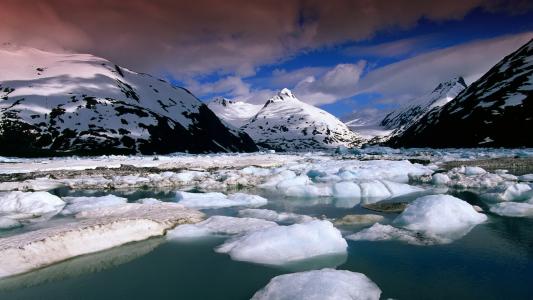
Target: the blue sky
pixel 385 48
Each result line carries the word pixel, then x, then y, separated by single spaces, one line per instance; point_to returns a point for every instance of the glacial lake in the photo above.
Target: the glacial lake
pixel 493 261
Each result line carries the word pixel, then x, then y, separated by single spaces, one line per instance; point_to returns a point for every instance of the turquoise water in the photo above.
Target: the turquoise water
pixel 494 261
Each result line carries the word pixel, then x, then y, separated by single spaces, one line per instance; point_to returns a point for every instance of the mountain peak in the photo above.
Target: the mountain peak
pixel 286 92
pixel 222 101
pixel 447 85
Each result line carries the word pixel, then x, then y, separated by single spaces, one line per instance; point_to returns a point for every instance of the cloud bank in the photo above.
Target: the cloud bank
pixel 191 38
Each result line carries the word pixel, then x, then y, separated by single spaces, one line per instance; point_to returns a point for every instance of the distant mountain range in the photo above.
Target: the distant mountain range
pixel 65 104
pixel 59 104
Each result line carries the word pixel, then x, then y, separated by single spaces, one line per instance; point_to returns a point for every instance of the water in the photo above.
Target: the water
pixel 494 261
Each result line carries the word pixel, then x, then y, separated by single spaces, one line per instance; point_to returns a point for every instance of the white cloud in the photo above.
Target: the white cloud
pixel 335 84
pixel 232 86
pixel 392 49
pixel 420 74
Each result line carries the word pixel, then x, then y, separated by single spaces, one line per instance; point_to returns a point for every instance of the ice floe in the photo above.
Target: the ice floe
pixel 8 223
pixel 219 225
pixel 35 249
pixel 34 204
pixel 274 216
pixel 319 285
pixel 513 209
pixel 286 244
pixel 440 215
pixel 380 232
pixel 79 204
pixel 218 200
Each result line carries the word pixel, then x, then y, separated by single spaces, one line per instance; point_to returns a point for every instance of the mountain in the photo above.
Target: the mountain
pixel 379 125
pixel 286 123
pixel 59 104
pixel 495 111
pixel 414 110
pixel 236 113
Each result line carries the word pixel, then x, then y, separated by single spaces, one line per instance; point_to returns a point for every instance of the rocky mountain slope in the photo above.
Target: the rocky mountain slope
pixel 236 113
pixel 495 111
pixel 59 104
pixel 286 123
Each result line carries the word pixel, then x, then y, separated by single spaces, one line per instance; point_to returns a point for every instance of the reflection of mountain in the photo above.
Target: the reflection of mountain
pixel 79 266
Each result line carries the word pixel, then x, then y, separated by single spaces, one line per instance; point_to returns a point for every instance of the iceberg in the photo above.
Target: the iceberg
pixel 440 215
pixel 513 209
pixel 218 200
pixel 281 245
pixel 274 216
pixel 218 225
pixel 319 285
pixel 30 203
pixel 79 204
pixel 380 232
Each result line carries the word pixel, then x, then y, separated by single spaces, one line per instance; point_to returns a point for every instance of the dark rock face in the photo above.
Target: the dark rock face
pixel 100 108
pixel 495 111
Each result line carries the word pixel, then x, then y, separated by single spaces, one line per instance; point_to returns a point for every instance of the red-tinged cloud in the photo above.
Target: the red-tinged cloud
pixel 191 38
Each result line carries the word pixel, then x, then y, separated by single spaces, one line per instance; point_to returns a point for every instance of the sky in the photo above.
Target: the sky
pixel 340 55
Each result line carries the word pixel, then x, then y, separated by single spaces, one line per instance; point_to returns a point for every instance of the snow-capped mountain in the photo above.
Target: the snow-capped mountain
pixel 57 103
pixel 286 123
pixel 414 110
pixel 495 111
pixel 379 125
pixel 236 113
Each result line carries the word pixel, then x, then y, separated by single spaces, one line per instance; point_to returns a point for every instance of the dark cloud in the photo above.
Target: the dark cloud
pixel 188 38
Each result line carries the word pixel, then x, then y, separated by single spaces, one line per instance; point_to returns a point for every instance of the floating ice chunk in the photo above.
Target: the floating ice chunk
pixel 517 192
pixel 379 232
pixel 440 179
pixel 273 181
pixel 274 216
pixel 284 244
pixel 219 225
pixel 218 200
pixel 319 285
pixel 513 209
pixel 374 189
pixel 33 203
pixel 8 223
pixel 79 204
pixel 255 171
pixel 359 219
pixel 296 181
pixel 469 171
pixel 346 189
pixel 440 215
pixel 526 177
pixel 148 201
pixel 306 191
pixel 399 189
